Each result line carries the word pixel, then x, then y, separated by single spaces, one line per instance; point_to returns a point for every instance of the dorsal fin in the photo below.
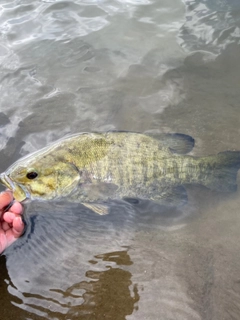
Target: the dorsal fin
pixel 177 142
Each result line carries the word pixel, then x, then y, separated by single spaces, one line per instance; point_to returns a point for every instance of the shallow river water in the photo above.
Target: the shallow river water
pixel 135 65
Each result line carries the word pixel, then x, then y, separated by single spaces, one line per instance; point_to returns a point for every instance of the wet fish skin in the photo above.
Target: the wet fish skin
pixel 123 159
pixel 92 167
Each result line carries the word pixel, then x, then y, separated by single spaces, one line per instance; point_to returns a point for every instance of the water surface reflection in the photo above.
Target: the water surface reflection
pixel 107 295
pixel 173 66
pixel 53 271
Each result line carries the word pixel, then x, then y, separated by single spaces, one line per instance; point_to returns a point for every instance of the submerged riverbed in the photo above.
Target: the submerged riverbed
pixel 72 66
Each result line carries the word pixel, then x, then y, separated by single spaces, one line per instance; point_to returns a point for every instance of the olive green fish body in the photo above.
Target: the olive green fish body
pixel 134 163
pixel 92 167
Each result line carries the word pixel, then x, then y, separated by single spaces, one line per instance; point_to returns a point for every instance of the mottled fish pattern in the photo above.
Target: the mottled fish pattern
pixel 93 167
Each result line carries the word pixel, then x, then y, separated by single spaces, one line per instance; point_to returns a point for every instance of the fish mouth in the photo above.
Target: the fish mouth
pixel 6 181
pixel 20 193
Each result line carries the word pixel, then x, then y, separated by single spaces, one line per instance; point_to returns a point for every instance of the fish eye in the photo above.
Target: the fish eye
pixel 32 175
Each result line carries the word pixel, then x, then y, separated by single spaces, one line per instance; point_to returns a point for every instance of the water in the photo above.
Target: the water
pixel 70 66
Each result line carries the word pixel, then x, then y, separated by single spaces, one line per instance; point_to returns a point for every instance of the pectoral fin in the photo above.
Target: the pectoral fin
pixel 100 209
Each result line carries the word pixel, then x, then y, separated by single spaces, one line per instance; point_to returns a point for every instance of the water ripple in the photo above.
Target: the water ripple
pixel 210 25
pixel 70 66
pixel 71 244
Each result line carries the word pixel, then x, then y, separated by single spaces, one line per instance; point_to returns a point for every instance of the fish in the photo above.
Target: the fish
pixel 94 168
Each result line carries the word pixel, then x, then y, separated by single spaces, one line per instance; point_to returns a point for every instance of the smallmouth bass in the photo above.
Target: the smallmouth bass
pixel 92 168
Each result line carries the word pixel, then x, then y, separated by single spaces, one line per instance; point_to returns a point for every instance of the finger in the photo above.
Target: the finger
pixel 5 226
pixel 3 241
pixel 10 238
pixel 18 227
pixel 9 216
pixel 5 198
pixel 16 208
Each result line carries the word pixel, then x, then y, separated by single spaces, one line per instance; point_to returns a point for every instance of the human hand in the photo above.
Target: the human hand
pixel 11 223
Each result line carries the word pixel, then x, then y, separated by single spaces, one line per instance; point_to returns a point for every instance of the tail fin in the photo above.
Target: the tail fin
pixel 221 173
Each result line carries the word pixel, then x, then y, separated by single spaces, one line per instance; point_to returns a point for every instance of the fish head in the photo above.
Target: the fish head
pixel 44 177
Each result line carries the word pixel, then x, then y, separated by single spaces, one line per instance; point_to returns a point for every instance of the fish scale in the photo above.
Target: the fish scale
pixel 95 167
